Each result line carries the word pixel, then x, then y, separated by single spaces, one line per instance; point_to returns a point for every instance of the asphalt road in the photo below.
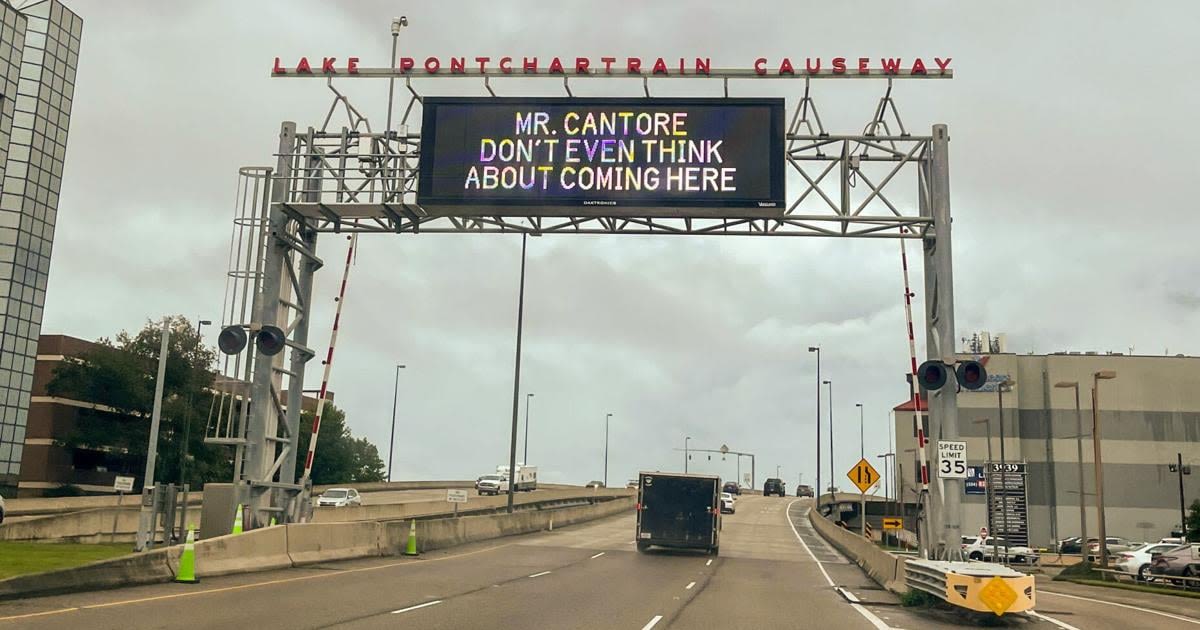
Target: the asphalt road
pixel 773 572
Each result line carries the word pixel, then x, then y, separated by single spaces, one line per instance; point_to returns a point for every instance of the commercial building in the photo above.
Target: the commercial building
pixel 1148 415
pixel 39 50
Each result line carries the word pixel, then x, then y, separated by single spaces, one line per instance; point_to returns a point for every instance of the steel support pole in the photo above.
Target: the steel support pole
pixel 525 457
pixel 818 423
pixel 606 418
pixel 516 400
pixel 295 395
pixel 939 307
pixel 831 458
pixel 1182 510
pixel 1099 466
pixel 392 435
pixel 145 532
pixel 1079 457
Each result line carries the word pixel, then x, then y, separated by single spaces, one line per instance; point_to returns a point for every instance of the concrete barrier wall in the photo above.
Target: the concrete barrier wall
pixel 144 568
pixel 294 545
pixel 85 526
pixel 392 511
pixel 883 567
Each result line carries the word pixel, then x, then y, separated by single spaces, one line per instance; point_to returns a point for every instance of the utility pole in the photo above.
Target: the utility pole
pixel 606 419
pixel 1099 463
pixel 831 477
pixel 817 349
pixel 1083 537
pixel 1182 510
pixel 861 434
pixel 525 457
pixel 147 516
pixel 512 442
pixel 392 439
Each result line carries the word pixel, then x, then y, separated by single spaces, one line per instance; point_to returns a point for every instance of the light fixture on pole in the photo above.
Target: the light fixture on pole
pixel 1079 459
pixel 392 437
pixel 1102 375
pixel 817 349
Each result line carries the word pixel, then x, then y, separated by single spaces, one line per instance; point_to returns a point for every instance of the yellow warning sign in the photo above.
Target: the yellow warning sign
pixel 998 596
pixel 864 475
pixel 893 523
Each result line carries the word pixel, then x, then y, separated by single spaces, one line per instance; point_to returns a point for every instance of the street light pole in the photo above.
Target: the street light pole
pixel 395 399
pixel 1007 384
pixel 991 525
pixel 1083 537
pixel 861 434
pixel 606 418
pixel 1099 463
pixel 831 477
pixel 817 349
pixel 525 457
pixel 516 398
pixel 685 454
pixel 187 427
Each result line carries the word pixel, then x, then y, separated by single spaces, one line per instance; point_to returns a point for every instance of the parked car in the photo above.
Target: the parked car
pixel 803 490
pixel 632 484
pixel 1136 561
pixel 1114 544
pixel 1182 561
pixel 492 484
pixel 1069 545
pixel 339 497
pixel 731 487
pixel 774 486
pixel 595 484
pixel 980 549
pixel 727 503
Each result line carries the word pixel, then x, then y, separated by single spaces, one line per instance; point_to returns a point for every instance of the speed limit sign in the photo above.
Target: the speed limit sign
pixel 952 460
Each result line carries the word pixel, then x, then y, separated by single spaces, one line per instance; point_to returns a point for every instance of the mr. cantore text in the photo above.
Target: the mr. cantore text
pixel 601 151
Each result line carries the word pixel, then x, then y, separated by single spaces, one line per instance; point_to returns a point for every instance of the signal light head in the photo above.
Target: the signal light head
pixel 270 340
pixel 971 375
pixel 232 339
pixel 932 375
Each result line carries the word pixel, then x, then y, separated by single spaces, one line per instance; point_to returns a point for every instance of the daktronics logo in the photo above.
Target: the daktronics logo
pixel 661 66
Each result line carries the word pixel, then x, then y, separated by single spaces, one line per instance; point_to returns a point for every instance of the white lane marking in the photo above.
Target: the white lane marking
pixel 1061 624
pixel 404 610
pixel 540 574
pixel 868 615
pixel 1145 610
pixel 652 622
pixel 596 556
pixel 709 563
pixel 689 586
pixel 850 597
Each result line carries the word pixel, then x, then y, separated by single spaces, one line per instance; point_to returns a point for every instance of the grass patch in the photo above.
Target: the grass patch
pixel 917 599
pixel 19 558
pixel 1144 588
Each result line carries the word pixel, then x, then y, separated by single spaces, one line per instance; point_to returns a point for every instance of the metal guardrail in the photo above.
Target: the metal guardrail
pixel 976 586
pixel 1169 581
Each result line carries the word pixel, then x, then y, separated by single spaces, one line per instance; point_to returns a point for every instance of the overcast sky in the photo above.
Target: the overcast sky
pixel 1072 154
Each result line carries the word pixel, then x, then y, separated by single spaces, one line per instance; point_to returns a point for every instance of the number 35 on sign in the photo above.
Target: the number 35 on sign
pixel 952 460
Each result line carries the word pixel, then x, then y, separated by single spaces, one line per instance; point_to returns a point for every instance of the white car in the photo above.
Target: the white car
pixel 1136 561
pixel 980 549
pixel 727 503
pixel 339 497
pixel 492 484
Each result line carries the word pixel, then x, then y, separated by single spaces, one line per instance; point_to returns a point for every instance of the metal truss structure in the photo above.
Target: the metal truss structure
pixel 880 183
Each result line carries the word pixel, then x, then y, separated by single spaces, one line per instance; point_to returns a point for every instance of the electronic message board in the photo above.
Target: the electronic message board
pixel 697 157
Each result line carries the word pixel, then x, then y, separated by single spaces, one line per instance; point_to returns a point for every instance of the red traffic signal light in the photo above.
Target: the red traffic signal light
pixel 932 375
pixel 232 339
pixel 971 374
pixel 270 340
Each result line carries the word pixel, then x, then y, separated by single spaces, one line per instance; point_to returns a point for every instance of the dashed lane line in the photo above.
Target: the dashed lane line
pixel 540 574
pixel 653 622
pixel 689 586
pixel 596 556
pixel 425 605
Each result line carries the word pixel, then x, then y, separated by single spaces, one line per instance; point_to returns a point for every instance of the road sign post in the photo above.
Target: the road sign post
pixel 863 475
pixel 455 497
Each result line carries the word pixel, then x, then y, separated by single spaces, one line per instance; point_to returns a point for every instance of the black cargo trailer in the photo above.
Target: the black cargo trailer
pixel 680 511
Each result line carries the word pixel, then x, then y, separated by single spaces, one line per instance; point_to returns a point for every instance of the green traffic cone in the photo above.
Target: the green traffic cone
pixel 187 560
pixel 272 522
pixel 237 521
pixel 411 548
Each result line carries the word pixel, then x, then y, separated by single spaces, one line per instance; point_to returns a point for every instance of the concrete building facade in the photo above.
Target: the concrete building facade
pixel 1148 415
pixel 39 51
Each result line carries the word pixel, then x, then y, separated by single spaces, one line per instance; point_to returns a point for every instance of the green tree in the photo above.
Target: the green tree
pixel 1192 531
pixel 340 457
pixel 119 376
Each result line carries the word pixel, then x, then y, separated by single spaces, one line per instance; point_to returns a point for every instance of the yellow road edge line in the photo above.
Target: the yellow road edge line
pixel 253 584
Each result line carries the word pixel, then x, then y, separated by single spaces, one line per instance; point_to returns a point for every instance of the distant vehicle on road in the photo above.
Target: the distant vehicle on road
pixel 339 497
pixel 727 503
pixel 980 549
pixel 491 484
pixel 677 510
pixel 595 484
pixel 803 490
pixel 526 478
pixel 1137 560
pixel 731 487
pixel 632 484
pixel 1182 561
pixel 1114 544
pixel 774 486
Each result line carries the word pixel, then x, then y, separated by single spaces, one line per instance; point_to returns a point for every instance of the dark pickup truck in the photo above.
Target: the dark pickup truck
pixel 679 511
